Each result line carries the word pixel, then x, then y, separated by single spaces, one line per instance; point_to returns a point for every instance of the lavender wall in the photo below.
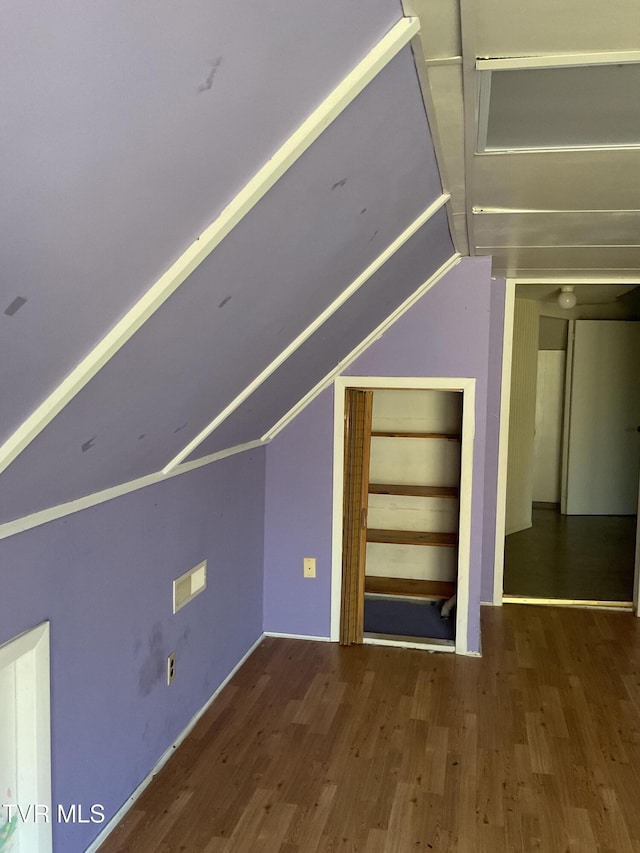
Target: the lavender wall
pixel 298 504
pixel 450 332
pixel 103 578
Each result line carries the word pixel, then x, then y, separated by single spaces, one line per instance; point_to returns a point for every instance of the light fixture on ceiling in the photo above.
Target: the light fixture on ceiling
pixel 567 298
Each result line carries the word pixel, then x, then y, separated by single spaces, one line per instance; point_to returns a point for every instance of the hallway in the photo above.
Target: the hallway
pixel 572 557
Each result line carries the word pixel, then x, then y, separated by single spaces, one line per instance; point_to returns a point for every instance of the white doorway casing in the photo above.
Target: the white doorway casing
pixel 25 740
pixel 467 387
pixel 498 577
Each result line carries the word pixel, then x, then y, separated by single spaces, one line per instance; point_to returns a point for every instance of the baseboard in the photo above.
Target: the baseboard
pixel 297 637
pixel 166 755
pixel 584 604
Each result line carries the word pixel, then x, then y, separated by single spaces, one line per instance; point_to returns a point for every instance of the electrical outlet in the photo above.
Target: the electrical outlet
pixel 309 567
pixel 171 667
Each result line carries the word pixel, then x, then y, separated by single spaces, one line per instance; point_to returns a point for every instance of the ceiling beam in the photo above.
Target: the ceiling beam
pixel 346 294
pixel 344 93
pixel 558 60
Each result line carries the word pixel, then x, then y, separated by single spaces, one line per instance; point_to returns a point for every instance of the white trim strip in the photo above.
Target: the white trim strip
pixel 538 277
pixel 310 637
pixel 115 820
pixel 364 276
pixel 493 211
pixel 10 528
pixel 558 60
pixel 443 60
pixel 503 440
pixel 585 604
pixel 502 152
pixel 364 345
pixel 427 646
pixel 236 210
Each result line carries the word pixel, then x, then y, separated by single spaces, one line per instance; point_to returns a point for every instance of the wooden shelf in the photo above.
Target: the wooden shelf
pixel 449 436
pixel 412 537
pixel 413 491
pixel 409 586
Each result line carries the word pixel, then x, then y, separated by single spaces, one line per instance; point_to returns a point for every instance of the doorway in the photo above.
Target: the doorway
pixel 571 525
pixel 392 507
pixel 25 758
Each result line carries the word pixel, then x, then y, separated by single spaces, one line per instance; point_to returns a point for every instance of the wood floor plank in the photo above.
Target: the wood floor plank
pixel 314 748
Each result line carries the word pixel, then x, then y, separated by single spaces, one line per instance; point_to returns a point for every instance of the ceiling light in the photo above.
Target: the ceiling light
pixel 567 298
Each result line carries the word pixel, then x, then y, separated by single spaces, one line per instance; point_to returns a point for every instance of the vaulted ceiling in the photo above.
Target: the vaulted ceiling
pixel 206 210
pixel 203 213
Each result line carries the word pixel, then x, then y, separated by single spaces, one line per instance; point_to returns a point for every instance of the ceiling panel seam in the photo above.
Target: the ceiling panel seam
pixel 346 294
pixel 336 102
pixel 373 336
pixel 554 60
pixel 468 31
pixel 43 516
pixel 422 65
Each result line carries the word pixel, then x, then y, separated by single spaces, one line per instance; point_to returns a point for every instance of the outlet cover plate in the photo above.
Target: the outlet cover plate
pixel 309 567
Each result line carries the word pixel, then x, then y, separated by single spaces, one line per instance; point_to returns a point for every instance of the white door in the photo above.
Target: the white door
pixel 603 440
pixel 25 762
pixel 547 445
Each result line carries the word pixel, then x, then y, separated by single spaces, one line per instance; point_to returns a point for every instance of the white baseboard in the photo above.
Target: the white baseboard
pixel 297 637
pixel 166 755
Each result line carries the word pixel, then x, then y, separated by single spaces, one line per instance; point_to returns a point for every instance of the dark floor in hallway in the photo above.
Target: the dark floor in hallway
pixel 572 556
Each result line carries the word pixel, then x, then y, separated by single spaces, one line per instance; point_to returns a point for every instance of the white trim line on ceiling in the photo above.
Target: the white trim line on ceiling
pixel 501 152
pixel 493 211
pixel 443 60
pixel 295 410
pixel 490 250
pixel 538 277
pixel 364 276
pixel 344 93
pixel 19 525
pixel 558 60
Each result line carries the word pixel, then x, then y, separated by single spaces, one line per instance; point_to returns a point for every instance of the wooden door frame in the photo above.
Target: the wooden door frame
pixel 418 383
pixel 503 444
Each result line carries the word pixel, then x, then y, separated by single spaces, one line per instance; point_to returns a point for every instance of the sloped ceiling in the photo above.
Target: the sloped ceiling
pixel 546 214
pixel 129 129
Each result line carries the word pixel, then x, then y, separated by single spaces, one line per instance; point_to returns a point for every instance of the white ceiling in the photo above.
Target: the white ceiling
pixel 542 215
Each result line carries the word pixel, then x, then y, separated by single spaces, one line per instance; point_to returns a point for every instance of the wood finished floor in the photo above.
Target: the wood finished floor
pixel 572 556
pixel 313 747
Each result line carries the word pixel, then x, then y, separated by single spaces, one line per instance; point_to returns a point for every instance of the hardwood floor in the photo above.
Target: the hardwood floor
pixel 572 556
pixel 313 748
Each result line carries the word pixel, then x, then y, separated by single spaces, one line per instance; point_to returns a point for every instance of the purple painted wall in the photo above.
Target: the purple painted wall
pixel 298 522
pixel 446 334
pixel 103 578
pixel 126 128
